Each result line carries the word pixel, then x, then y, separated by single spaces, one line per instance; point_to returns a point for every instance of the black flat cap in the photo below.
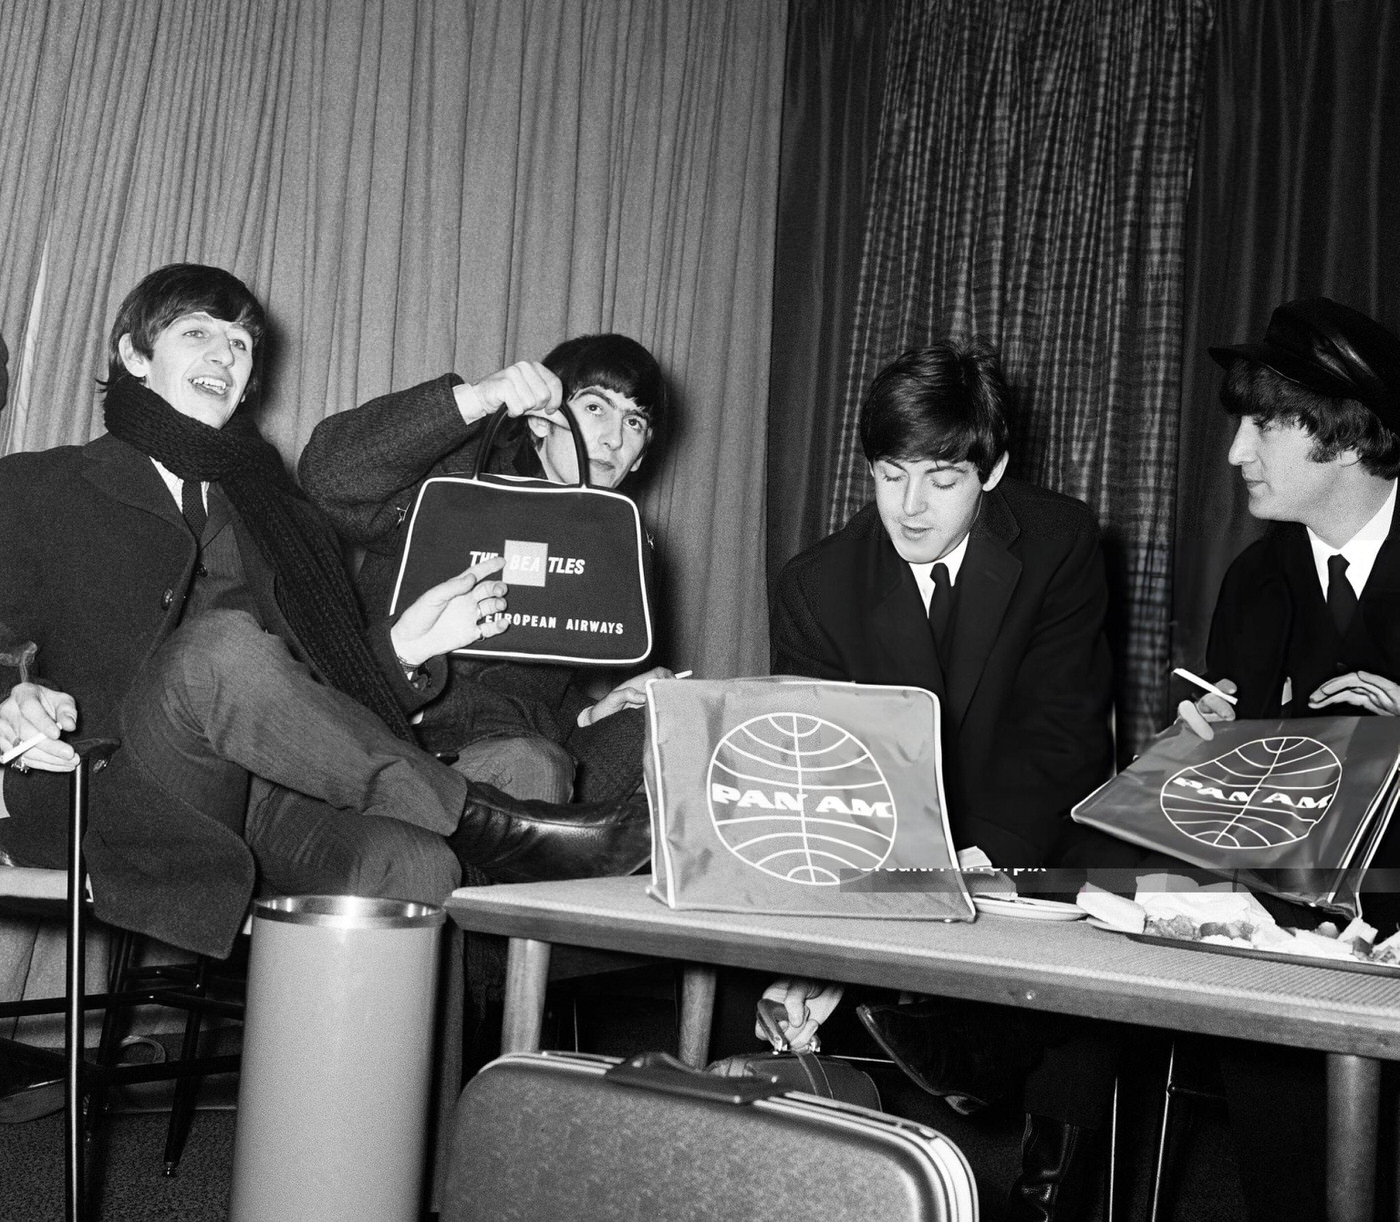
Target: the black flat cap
pixel 1331 349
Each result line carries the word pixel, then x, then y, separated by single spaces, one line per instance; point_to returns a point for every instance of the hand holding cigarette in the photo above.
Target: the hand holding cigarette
pixel 1216 705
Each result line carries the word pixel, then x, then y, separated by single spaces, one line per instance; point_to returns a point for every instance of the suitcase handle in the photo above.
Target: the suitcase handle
pixel 494 426
pixel 659 1071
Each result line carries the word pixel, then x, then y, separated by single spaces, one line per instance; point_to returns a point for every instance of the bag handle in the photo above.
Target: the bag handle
pixel 659 1071
pixel 493 427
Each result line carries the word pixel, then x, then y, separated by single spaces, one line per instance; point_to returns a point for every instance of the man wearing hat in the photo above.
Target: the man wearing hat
pixel 1307 623
pixel 1306 620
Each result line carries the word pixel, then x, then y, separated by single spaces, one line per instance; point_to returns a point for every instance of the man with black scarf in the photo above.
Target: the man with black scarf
pixel 186 599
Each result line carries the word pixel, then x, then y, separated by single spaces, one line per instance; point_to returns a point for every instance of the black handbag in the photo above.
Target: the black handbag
pixel 576 560
pixel 825 1076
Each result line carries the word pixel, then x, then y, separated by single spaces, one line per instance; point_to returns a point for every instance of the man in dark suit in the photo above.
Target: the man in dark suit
pixel 1307 623
pixel 990 593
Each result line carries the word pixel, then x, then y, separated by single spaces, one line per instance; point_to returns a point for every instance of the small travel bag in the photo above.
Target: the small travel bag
pixel 540 1137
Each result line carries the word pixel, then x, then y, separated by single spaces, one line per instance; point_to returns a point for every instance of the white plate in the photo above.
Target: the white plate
pixel 1028 909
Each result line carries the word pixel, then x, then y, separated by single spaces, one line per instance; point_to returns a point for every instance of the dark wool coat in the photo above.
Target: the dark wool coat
pixel 1025 700
pixel 96 569
pixel 1271 622
pixel 364 468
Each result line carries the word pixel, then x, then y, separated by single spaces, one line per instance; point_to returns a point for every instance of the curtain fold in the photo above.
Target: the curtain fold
pixel 832 89
pixel 1296 193
pixel 1030 187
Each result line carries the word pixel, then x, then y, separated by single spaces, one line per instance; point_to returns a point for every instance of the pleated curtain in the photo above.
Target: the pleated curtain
pixel 1030 187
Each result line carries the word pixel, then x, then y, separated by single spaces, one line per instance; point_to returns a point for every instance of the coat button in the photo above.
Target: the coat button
pixel 167 598
pixel 201 571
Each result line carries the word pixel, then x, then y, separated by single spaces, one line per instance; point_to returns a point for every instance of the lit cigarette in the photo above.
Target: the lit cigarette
pixel 683 674
pixel 1199 682
pixel 20 748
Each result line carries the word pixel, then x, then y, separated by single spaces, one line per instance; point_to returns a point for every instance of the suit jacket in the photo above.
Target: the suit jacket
pixel 1271 622
pixel 97 569
pixel 1026 696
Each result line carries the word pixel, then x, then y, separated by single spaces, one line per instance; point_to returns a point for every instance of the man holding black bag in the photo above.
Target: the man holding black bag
pixel 542 731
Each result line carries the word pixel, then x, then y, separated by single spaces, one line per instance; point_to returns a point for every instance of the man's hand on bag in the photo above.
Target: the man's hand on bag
pixel 629 695
pixel 1372 692
pixel 1200 715
pixel 809 1003
pixel 30 710
pixel 525 388
pixel 452 614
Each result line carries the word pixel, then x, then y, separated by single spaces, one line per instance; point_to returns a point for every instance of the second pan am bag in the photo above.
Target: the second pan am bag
pixel 542 1136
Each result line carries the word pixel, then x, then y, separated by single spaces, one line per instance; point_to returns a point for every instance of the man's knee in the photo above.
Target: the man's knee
pixel 524 767
pixel 304 847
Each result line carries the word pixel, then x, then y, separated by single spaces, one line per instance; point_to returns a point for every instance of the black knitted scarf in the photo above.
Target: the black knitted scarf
pixel 312 587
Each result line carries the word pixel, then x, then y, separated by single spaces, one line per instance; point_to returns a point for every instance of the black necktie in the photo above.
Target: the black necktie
pixel 192 506
pixel 1341 598
pixel 940 608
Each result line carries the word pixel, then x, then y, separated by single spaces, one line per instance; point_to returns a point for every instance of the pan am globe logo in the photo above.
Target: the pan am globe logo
pixel 801 799
pixel 1262 795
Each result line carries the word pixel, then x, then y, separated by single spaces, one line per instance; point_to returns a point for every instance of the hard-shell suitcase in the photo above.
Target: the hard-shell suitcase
pixel 541 1137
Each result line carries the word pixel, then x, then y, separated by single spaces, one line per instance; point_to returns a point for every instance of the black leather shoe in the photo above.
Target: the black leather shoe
pixel 1058 1165
pixel 966 1053
pixel 511 841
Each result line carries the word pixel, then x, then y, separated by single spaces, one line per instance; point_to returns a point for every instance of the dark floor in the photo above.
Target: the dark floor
pixel 621 1015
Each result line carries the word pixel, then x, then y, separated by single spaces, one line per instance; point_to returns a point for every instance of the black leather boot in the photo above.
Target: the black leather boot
pixel 968 1054
pixel 511 841
pixel 1058 1165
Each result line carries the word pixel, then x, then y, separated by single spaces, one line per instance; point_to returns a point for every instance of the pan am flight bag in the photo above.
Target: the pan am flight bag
pixel 576 560
pixel 801 797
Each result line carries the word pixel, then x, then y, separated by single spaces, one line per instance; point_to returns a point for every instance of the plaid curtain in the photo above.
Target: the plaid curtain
pixel 1030 187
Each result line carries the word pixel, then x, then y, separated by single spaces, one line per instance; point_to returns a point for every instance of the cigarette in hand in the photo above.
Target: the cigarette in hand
pixel 20 748
pixel 1203 683
pixel 683 674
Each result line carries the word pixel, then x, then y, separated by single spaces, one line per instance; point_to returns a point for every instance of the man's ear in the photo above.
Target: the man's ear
pixel 539 427
pixel 1347 458
pixel 136 364
pixel 997 472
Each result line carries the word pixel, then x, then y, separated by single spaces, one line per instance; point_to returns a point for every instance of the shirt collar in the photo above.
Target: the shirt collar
pixel 1360 550
pixel 923 573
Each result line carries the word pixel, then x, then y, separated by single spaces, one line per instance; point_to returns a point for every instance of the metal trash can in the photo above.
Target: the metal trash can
pixel 333 1095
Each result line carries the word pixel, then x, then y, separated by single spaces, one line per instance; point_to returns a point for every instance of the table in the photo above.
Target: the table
pixel 1066 967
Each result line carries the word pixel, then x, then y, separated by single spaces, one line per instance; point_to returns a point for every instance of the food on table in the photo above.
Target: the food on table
pixel 1219 915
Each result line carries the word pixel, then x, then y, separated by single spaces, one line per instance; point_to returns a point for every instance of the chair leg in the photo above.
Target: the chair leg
pixel 75 1171
pixel 1163 1136
pixel 186 1089
pixel 1111 1190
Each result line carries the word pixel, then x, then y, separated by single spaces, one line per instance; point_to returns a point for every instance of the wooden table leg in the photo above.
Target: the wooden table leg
pixel 697 1013
pixel 1353 1113
pixel 527 973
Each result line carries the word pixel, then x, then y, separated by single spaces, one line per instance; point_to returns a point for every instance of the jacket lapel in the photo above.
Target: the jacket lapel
pixel 985 584
pixel 127 476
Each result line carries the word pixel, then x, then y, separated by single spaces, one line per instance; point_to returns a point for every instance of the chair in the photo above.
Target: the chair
pixel 45 892
pixel 1178 1084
